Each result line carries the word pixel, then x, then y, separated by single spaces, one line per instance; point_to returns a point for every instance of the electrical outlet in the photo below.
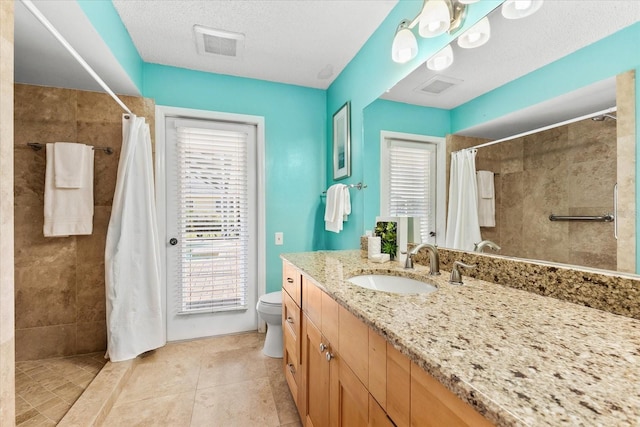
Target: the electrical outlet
pixel 279 238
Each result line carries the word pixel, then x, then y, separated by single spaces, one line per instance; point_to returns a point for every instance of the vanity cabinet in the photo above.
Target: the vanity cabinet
pixel 348 375
pixel 292 330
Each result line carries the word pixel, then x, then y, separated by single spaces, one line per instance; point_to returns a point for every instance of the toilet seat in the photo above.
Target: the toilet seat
pixel 272 298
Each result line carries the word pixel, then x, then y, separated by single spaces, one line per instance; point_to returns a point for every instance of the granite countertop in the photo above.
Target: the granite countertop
pixel 516 357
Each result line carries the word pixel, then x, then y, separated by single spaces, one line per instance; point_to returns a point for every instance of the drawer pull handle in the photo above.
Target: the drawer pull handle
pixel 292 369
pixel 289 279
pixel 322 347
pixel 290 320
pixel 329 356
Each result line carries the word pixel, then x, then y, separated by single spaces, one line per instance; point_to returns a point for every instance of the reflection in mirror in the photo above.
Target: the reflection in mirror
pixel 569 170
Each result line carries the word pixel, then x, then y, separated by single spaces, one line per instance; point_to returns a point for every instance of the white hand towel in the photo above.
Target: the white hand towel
pixel 485 185
pixel 335 208
pixel 486 199
pixel 346 209
pixel 69 164
pixel 68 211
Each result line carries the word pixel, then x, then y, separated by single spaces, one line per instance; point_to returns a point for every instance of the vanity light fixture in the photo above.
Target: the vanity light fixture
pixel 441 60
pixel 516 9
pixel 435 18
pixel 468 1
pixel 476 36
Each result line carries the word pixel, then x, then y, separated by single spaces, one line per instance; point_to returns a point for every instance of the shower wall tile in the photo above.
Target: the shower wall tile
pixel 7 330
pixel 32 248
pixel 91 293
pixel 45 296
pixel 96 107
pixel 45 104
pixel 626 155
pixel 29 178
pixel 592 181
pixel 45 342
pixel 91 337
pixel 90 248
pixel 60 281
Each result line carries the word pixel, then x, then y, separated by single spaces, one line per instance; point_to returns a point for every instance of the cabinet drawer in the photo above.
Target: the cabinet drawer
pixel 292 374
pixel 291 281
pixel 291 326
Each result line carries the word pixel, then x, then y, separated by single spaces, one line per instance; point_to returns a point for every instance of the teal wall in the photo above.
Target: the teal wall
pixel 395 117
pixel 295 138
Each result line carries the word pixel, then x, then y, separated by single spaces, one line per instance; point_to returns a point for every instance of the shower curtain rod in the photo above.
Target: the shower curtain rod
pixel 566 122
pixel 40 17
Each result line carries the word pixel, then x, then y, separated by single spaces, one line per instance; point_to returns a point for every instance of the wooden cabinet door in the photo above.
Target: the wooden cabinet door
pixel 377 416
pixel 398 387
pixel 433 405
pixel 316 373
pixel 349 397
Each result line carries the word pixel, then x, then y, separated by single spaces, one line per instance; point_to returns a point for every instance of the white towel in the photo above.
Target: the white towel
pixel 69 164
pixel 486 199
pixel 337 208
pixel 68 211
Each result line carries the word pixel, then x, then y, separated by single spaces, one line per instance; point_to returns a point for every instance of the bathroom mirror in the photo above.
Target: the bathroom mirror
pixel 569 170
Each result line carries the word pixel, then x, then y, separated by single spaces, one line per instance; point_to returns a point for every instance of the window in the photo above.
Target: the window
pixel 408 182
pixel 212 218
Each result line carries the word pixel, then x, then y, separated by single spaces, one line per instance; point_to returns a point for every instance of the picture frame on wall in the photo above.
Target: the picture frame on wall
pixel 342 142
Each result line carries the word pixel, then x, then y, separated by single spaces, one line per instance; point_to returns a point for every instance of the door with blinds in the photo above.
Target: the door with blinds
pixel 211 227
pixel 408 183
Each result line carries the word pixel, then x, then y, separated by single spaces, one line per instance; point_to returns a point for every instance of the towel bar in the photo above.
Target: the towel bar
pixel 358 186
pixel 603 218
pixel 38 146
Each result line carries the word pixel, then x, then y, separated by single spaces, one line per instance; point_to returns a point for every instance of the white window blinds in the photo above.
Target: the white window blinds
pixel 411 169
pixel 212 219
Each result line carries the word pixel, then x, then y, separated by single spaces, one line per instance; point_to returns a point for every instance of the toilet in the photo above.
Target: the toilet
pixel 270 310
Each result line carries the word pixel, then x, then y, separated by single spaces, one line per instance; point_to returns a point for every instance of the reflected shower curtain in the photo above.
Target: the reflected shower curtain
pixel 463 229
pixel 132 254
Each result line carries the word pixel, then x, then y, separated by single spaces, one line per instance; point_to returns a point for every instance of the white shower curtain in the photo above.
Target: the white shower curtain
pixel 132 254
pixel 463 229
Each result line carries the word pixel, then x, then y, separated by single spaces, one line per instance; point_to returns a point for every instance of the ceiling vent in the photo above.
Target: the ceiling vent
pixel 437 85
pixel 223 44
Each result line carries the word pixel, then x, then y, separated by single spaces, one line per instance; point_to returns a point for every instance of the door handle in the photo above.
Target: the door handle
pixel 173 241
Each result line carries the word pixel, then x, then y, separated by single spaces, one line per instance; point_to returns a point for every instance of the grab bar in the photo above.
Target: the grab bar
pixel 615 211
pixel 603 218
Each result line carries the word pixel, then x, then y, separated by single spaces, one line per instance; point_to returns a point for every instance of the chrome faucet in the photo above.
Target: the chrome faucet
pixel 479 247
pixel 434 258
pixel 456 276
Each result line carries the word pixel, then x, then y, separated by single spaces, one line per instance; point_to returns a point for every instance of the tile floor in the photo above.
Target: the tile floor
pixel 46 389
pixel 222 381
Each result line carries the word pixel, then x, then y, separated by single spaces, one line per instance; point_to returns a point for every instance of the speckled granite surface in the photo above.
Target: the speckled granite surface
pixel 617 293
pixel 516 357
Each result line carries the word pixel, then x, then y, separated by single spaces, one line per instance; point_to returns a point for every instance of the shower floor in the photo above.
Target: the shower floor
pixel 47 388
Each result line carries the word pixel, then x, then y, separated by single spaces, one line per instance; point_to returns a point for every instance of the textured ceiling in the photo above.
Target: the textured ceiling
pixel 285 41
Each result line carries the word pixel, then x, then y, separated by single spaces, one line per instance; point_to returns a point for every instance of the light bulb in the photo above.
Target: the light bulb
pixel 435 18
pixel 476 36
pixel 441 60
pixel 516 9
pixel 405 46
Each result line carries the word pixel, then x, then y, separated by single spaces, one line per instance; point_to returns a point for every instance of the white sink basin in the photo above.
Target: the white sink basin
pixel 394 284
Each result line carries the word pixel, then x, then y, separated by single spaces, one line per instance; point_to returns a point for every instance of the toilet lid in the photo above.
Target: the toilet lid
pixel 272 298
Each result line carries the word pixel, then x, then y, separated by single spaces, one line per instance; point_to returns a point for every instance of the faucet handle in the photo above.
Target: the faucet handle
pixel 456 276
